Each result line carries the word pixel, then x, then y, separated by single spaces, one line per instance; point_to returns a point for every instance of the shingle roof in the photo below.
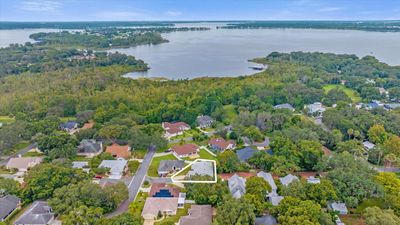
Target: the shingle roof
pixel 245 153
pixel 119 151
pixel 198 215
pixel 168 165
pixel 202 169
pixel 176 127
pixel 220 143
pixel 268 177
pixel 23 162
pixel 38 213
pixel 204 120
pixel 237 186
pixel 288 179
pixel 8 204
pixel 185 149
pixel 69 125
pixel 155 205
pixel 116 166
pixel 79 164
pixel 89 146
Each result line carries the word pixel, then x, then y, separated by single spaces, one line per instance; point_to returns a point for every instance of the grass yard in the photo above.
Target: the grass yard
pixel 175 218
pixel 81 158
pixel 66 119
pixel 350 92
pixel 139 153
pixel 33 154
pixel 7 119
pixel 156 162
pixel 206 155
pixel 17 147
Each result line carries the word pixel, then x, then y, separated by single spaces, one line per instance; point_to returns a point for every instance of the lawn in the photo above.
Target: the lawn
pixel 175 218
pixel 350 92
pixel 139 153
pixel 156 162
pixel 33 154
pixel 81 158
pixel 17 147
pixel 7 119
pixel 66 119
pixel 206 155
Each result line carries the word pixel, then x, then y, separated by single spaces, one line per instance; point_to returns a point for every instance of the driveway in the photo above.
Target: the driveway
pixel 136 182
pixel 4 161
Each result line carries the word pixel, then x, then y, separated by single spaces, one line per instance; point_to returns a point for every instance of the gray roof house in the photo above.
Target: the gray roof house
pixel 368 145
pixel 197 215
pixel 8 204
pixel 262 145
pixel 169 166
pixel 39 213
pixel 268 177
pixel 286 180
pixel 266 220
pixel 284 106
pixel 205 121
pixel 237 186
pixel 69 126
pixel 313 180
pixel 245 153
pixel 81 165
pixel 338 207
pixel 117 167
pixel 392 106
pixel 90 148
pixel 316 108
pixel 202 168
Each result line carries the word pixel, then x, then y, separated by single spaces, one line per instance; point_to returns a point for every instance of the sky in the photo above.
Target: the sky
pixel 140 10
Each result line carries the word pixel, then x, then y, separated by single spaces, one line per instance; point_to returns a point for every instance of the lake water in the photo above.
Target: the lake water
pixel 19 36
pixel 221 52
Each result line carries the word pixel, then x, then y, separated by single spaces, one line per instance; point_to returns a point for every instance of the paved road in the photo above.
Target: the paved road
pixel 4 161
pixel 136 182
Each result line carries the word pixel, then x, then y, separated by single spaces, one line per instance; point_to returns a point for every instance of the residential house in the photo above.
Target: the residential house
pixel 315 109
pixel 262 145
pixel 119 151
pixel 338 207
pixel 174 129
pixel 313 180
pixel 383 92
pixel 288 179
pixel 90 148
pixel 161 190
pixel 368 145
pixel 152 206
pixel 169 166
pixel 197 215
pixel 220 144
pixel 81 165
pixel 88 125
pixel 373 105
pixel 181 200
pixel 272 196
pixel 185 150
pixel 117 167
pixel 245 153
pixel 237 186
pixel 8 204
pixel 202 168
pixel 266 220
pixel 392 106
pixel 34 148
pixel 40 213
pixel 205 121
pixel 284 106
pixel 70 126
pixel 22 164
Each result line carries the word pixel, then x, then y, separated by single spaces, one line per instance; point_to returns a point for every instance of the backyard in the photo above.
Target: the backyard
pixel 156 162
pixel 350 92
pixel 175 218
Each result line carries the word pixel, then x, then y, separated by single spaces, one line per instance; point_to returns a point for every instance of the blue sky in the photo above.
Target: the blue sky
pixel 117 10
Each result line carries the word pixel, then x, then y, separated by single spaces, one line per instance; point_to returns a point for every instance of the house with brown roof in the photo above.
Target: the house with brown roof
pixel 161 190
pixel 197 215
pixel 22 164
pixel 152 206
pixel 174 129
pixel 220 144
pixel 119 151
pixel 88 125
pixel 184 150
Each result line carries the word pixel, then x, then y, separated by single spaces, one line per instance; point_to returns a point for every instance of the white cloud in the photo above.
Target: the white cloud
pixel 40 5
pixel 173 13
pixel 121 15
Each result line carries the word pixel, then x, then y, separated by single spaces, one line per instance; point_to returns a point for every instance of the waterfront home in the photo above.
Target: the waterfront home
pixel 197 215
pixel 22 164
pixel 40 213
pixel 117 167
pixel 169 166
pixel 284 106
pixel 70 126
pixel 119 151
pixel 185 150
pixel 174 129
pixel 204 121
pixel 153 206
pixel 237 186
pixel 89 148
pixel 8 205
pixel 338 207
pixel 245 154
pixel 220 144
pixel 288 179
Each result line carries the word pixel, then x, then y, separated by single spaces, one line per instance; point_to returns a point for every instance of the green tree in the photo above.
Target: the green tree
pixel 43 179
pixel 392 145
pixel 113 132
pixel 58 145
pixel 376 216
pixel 391 186
pixel 311 152
pixel 334 96
pixel 293 211
pixel 258 187
pixel 235 211
pixel 123 219
pixel 253 133
pixel 377 134
pixel 212 194
pixel 83 216
pixel 8 186
pixel 228 162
